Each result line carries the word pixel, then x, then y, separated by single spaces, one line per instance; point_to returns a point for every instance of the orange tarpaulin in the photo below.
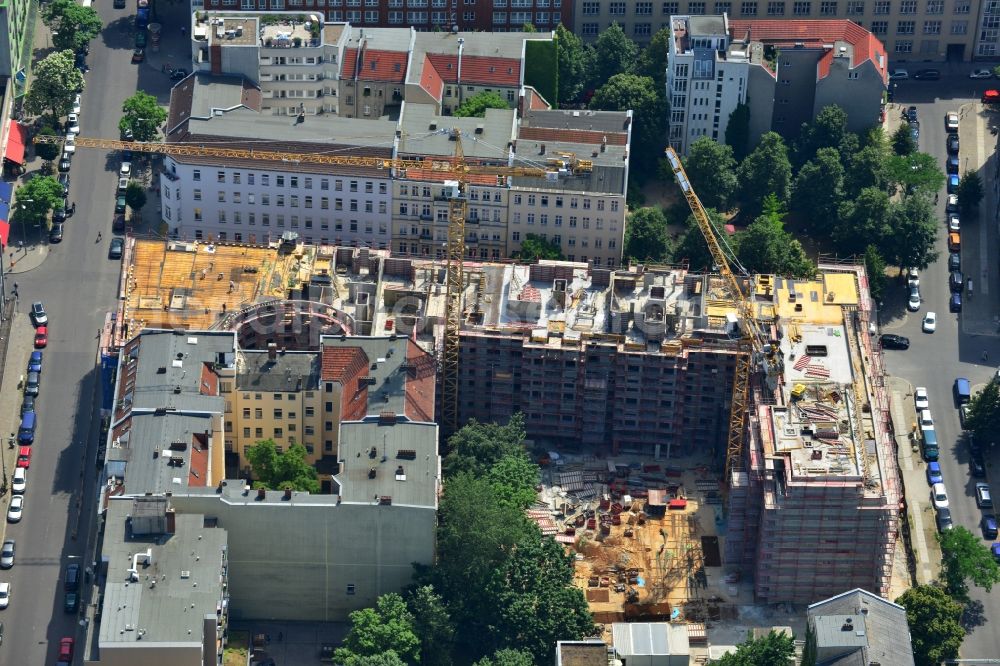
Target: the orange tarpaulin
pixel 17 138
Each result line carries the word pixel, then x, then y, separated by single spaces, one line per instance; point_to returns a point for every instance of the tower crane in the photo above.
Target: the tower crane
pixel 457 168
pixel 755 350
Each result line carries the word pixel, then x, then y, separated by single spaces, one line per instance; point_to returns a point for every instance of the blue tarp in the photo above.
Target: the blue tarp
pixel 6 191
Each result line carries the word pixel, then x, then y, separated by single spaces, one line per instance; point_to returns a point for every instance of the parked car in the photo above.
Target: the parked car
pixel 122 185
pixel 4 595
pixel 27 404
pixel 981 74
pixel 16 509
pixel 955 303
pixel 912 278
pixel 920 399
pixel 954 261
pixel 925 418
pixel 64 163
pixel 951 121
pixel 63 179
pixel 953 183
pixel 934 473
pixel 56 233
pixel 19 482
pixel 41 340
pixel 116 249
pixel 956 281
pixel 939 496
pixel 989 525
pixel 35 362
pixel 73 123
pixel 913 304
pixel 31 383
pixel 71 602
pixel 71 581
pixel 899 75
pixel 120 205
pixel 943 520
pixel 24 457
pixel 929 324
pixel 66 646
pixel 927 75
pixel 963 414
pixel 126 134
pixel 893 341
pixel 952 144
pixel 976 468
pixel 951 204
pixel 984 500
pixel 125 170
pixel 38 315
pixel 915 131
pixel 76 103
pixel 7 554
pixel 69 144
pixel 951 164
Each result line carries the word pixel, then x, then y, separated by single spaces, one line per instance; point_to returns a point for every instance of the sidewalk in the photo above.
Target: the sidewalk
pixel 919 513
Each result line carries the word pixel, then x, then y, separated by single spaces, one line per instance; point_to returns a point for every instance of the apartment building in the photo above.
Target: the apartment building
pixel 858 626
pixel 205 197
pixel 423 15
pixel 914 30
pixel 165 598
pixel 582 209
pixel 787 72
pixel 16 28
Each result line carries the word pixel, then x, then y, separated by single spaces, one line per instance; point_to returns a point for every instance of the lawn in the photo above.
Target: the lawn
pixel 237 649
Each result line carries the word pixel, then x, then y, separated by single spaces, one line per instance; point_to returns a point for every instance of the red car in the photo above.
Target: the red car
pixel 41 336
pixel 24 457
pixel 66 649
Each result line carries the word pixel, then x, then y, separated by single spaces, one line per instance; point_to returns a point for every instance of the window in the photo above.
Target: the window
pixel 258 413
pixel 748 9
pixel 935 6
pixel 802 8
pixel 904 46
pixel 880 27
pixel 616 8
pixel 908 7
pixel 855 7
pixel 987 49
pixel 963 6
pixel 644 8
pixel 220 176
pixel 723 8
pixel 905 28
pixel 246 412
pixel 196 175
pixel 828 8
pixel 932 28
pixel 775 8
pixel 196 195
pixel 642 30
pixel 696 8
pixel 882 7
pixel 959 27
pixel 589 29
pixel 350 588
pixel 670 8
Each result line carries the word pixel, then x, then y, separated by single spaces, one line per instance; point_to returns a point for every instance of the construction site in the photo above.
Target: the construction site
pixel 626 377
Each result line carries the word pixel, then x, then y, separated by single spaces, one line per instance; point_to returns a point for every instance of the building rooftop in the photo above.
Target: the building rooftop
pixel 426 133
pixel 863 627
pixel 648 639
pixel 226 30
pixel 388 460
pixel 582 653
pixel 163 453
pixel 488 58
pixel 278 372
pixel 161 584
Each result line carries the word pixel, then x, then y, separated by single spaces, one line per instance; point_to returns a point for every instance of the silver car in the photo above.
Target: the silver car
pixel 7 554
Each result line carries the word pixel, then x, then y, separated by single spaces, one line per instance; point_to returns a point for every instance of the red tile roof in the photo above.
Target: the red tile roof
pixel 341 363
pixel 198 470
pixel 573 136
pixel 420 384
pixel 375 65
pixel 481 70
pixel 815 33
pixel 430 80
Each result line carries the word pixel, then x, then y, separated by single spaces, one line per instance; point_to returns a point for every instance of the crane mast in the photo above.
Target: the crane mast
pixel 752 342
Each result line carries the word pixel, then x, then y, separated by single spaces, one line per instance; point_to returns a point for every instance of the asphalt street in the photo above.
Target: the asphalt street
pixel 77 283
pixel 935 360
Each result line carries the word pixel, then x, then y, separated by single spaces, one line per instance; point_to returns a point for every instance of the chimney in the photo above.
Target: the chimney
pixel 260 494
pixel 288 494
pixel 272 351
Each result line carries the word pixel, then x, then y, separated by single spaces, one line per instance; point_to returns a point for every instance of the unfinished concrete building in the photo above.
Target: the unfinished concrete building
pixel 816 507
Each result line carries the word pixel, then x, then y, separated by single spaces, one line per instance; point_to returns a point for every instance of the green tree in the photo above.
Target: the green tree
pixel 772 650
pixel 653 59
pixel 387 627
pixel 476 105
pixel 135 196
pixel 476 447
pixel 47 151
pixel 534 247
pixel 35 199
pixel 903 142
pixel 576 63
pixel 915 229
pixel 535 601
pixel 738 131
pixel 143 115
pixel 649 109
pixel 935 621
pixel 72 25
pixel 875 268
pixel 615 54
pixel 863 221
pixel 765 171
pixel 507 657
pixel 866 168
pixel 711 168
pixel 966 559
pixel 970 192
pixel 432 624
pixel 55 81
pixel 917 173
pixel 389 658
pixel 692 248
pixel 983 419
pixel 281 470
pixel 827 130
pixel 765 247
pixel 646 237
pixel 513 478
pixel 819 189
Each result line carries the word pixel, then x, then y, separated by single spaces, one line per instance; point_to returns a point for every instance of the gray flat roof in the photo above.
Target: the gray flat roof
pixel 169 360
pixel 884 631
pixel 288 371
pixel 168 598
pixel 150 452
pixel 603 179
pixel 710 24
pixel 596 121
pixel 328 129
pixel 211 93
pixel 405 461
pixel 486 138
